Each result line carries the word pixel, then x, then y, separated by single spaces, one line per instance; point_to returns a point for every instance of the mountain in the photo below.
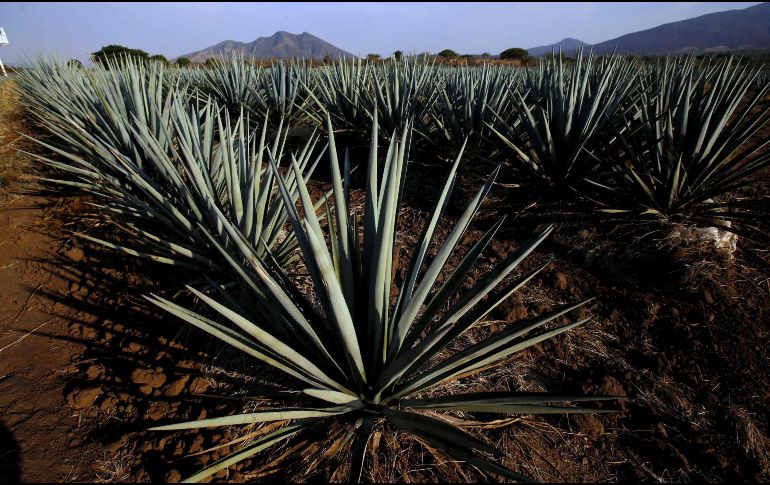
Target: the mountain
pixel 568 47
pixel 745 29
pixel 280 45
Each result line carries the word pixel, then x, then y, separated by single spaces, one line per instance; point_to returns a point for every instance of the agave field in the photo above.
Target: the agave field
pixel 277 202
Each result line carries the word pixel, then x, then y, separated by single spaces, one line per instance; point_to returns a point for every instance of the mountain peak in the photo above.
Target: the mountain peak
pixel 281 44
pixel 567 45
pixel 281 34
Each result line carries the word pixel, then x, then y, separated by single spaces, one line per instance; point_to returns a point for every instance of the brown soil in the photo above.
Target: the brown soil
pixel 679 331
pixel 37 428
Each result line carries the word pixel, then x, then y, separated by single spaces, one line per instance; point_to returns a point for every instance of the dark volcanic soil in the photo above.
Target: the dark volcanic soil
pixel 86 366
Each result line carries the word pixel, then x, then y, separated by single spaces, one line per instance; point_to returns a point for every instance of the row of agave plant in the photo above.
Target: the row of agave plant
pixel 634 140
pixel 192 184
pixel 622 138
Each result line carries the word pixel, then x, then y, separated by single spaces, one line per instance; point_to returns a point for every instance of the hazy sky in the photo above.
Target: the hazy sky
pixel 75 29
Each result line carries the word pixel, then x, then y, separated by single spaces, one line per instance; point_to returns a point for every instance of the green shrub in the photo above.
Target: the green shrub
pixel 118 52
pixel 514 53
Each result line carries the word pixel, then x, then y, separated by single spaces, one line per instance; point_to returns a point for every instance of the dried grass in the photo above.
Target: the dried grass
pixel 751 437
pixel 670 398
pixel 114 468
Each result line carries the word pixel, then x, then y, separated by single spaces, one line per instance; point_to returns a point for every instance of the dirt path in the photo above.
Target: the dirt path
pixel 37 427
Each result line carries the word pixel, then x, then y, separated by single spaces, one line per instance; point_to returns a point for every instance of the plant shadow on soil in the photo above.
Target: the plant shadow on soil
pixel 10 457
pixel 140 368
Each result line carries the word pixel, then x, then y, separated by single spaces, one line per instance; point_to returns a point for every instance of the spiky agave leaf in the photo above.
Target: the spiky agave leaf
pixel 364 352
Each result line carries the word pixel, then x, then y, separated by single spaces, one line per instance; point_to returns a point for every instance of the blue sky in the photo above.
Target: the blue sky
pixel 75 29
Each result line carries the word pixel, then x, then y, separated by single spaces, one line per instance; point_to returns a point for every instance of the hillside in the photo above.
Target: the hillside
pixel 745 29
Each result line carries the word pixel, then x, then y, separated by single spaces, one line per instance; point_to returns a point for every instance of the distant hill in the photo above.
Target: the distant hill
pixel 568 46
pixel 280 45
pixel 745 29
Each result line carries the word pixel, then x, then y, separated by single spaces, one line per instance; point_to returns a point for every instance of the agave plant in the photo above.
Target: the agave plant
pixel 214 171
pixel 99 104
pixel 562 113
pixel 403 91
pixel 693 143
pixel 279 91
pixel 342 90
pixel 191 80
pixel 370 350
pixel 158 166
pixel 232 81
pixel 468 103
